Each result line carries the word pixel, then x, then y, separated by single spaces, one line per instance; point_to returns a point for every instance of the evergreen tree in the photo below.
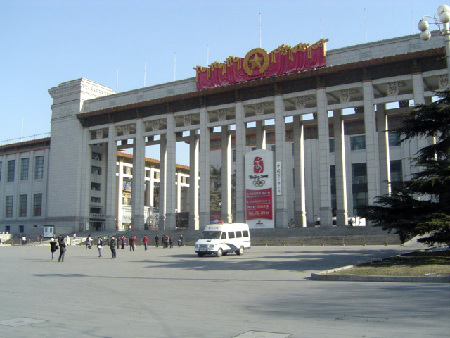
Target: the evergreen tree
pixel 422 205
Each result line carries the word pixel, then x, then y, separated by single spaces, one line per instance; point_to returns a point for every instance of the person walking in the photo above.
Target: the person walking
pixel 171 242
pixel 145 242
pixel 89 242
pixel 99 246
pixel 156 240
pixel 132 242
pixel 53 246
pixel 112 246
pixel 123 242
pixel 62 249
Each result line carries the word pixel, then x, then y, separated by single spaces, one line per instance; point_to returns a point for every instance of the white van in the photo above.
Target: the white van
pixel 222 238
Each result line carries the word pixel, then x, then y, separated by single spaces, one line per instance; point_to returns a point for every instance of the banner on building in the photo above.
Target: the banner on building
pixel 259 198
pixel 259 64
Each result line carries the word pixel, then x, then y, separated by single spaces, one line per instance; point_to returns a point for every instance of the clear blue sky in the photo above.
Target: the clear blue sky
pixel 46 42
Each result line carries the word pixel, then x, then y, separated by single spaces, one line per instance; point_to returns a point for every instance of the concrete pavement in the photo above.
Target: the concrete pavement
pixel 267 292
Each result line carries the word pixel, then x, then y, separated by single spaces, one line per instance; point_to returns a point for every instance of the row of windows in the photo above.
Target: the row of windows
pixel 359 142
pixel 24 169
pixel 23 205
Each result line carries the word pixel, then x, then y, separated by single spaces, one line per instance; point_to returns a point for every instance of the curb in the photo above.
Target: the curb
pixel 327 276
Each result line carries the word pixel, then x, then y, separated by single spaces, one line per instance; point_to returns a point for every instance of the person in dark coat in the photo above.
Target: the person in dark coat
pixel 62 249
pixel 53 246
pixel 112 246
pixel 156 240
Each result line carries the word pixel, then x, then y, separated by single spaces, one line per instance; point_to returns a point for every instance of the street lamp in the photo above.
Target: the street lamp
pixel 443 13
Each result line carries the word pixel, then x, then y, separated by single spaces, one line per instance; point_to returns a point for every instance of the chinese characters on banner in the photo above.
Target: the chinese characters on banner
pixel 259 189
pixel 259 64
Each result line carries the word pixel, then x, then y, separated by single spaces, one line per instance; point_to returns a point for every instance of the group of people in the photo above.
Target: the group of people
pixel 56 244
pixel 113 243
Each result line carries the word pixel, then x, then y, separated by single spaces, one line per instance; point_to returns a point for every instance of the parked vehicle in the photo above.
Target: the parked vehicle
pixel 221 238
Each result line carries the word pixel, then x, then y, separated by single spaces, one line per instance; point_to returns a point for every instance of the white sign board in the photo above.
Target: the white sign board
pixel 259 189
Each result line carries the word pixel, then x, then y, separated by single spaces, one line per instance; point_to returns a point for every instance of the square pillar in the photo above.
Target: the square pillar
pixel 111 181
pixel 340 170
pixel 138 180
pixel 226 174
pixel 193 180
pixel 205 169
pixel 299 169
pixel 239 165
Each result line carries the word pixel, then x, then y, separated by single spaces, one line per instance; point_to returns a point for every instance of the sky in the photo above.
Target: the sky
pixel 126 44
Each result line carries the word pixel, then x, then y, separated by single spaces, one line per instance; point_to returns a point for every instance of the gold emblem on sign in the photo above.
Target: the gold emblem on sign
pixel 257 58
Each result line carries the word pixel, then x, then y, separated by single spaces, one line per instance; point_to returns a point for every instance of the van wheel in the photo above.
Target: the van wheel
pixel 219 252
pixel 200 254
pixel 240 252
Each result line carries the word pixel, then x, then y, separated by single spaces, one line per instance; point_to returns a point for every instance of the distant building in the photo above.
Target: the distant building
pixel 327 124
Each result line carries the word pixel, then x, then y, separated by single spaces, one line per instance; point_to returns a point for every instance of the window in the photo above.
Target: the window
pixel 23 206
pixel 7 229
pixel 9 206
pixel 96 156
pixel 96 186
pixel 359 173
pixel 11 170
pixel 245 233
pixel 396 174
pixel 21 229
pixel 223 236
pixel 234 155
pixel 38 167
pixel 238 234
pixel 358 142
pixel 96 199
pixel 359 185
pixel 37 205
pixel 394 139
pixel 24 165
pixel 96 170
pixel 231 235
pixel 331 144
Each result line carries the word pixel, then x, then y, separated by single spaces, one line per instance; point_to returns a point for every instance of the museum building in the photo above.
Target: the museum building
pixel 323 116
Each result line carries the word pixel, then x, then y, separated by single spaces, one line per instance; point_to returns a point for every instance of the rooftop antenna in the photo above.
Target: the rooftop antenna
pixel 365 21
pixel 321 29
pixel 174 65
pixel 117 80
pixel 145 71
pixel 260 32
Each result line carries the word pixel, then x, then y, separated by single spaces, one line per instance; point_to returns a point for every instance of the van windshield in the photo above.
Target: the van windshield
pixel 210 235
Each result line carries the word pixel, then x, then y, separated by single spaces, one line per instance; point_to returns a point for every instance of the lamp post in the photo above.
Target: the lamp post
pixel 443 12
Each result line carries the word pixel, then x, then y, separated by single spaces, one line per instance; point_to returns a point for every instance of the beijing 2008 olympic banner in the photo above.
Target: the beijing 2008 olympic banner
pixel 260 64
pixel 259 197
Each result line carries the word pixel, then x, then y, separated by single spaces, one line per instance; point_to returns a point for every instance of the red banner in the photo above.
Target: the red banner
pixel 259 64
pixel 259 203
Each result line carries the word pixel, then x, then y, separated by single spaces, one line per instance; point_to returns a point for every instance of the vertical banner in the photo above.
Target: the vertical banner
pixel 278 177
pixel 259 199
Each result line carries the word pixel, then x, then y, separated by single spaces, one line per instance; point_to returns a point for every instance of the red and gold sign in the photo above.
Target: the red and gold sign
pixel 260 64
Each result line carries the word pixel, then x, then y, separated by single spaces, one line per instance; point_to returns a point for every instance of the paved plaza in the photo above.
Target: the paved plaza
pixel 173 293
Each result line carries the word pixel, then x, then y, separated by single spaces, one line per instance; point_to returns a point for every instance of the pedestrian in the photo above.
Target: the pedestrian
pixel 88 242
pixel 145 242
pixel 180 241
pixel 132 242
pixel 171 242
pixel 165 241
pixel 123 242
pixel 156 240
pixel 62 249
pixel 99 246
pixel 112 246
pixel 53 246
pixel 24 240
pixel 118 243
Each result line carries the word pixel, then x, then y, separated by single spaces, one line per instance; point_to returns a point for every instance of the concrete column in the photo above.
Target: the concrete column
pixel 85 179
pixel 340 171
pixel 193 181
pixel 151 189
pixel 260 135
pixel 138 180
pixel 373 170
pixel 419 98
pixel 111 181
pixel 226 174
pixel 324 159
pixel 178 194
pixel 299 169
pixel 162 181
pixel 281 211
pixel 383 150
pixel 205 169
pixel 239 165
pixel 119 197
pixel 171 197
